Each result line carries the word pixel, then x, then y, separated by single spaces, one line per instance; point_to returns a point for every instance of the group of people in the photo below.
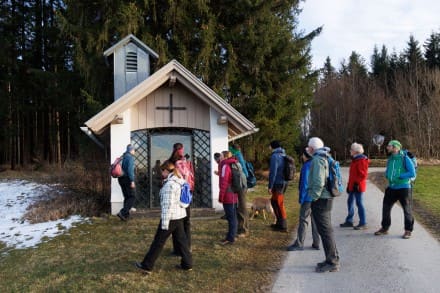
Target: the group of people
pixel 316 201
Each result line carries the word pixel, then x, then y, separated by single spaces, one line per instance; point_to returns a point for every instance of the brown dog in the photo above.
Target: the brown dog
pixel 261 205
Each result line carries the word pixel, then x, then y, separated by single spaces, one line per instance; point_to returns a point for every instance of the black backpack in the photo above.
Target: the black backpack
pixel 289 168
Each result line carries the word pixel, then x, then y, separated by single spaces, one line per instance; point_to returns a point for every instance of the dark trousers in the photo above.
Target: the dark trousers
pixel 242 213
pixel 321 212
pixel 304 213
pixel 175 228
pixel 231 217
pixel 187 229
pixel 129 195
pixel 404 196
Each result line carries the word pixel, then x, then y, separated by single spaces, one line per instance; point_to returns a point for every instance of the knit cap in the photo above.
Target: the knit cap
pixel 395 143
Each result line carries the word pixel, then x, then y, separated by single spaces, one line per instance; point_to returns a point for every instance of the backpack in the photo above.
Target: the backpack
pixel 116 168
pixel 289 168
pixel 334 179
pixel 251 180
pixel 185 195
pixel 239 181
pixel 413 159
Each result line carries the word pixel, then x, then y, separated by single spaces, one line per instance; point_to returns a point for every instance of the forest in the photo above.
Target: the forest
pixel 54 77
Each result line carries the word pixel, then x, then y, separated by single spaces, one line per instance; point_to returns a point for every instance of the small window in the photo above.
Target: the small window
pixel 131 62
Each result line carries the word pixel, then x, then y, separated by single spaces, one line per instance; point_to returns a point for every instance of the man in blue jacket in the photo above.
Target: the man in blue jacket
pixel 305 211
pixel 127 184
pixel 399 172
pixel 277 186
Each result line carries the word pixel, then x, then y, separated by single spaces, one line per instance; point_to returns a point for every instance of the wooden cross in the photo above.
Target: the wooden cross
pixel 171 108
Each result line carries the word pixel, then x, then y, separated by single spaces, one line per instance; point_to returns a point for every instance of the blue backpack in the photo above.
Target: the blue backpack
pixel 185 195
pixel 413 160
pixel 334 181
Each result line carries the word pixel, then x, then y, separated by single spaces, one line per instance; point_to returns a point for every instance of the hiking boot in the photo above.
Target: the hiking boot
pixel 360 227
pixel 381 231
pixel 314 246
pixel 327 267
pixel 294 248
pixel 180 267
pixel 346 225
pixel 226 242
pixel 120 216
pixel 142 268
pixel 406 235
pixel 321 264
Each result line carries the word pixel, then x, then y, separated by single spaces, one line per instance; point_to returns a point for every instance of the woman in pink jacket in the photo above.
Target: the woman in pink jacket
pixel 227 197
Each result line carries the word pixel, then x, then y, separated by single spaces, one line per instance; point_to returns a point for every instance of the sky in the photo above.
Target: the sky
pixel 15 197
pixel 359 25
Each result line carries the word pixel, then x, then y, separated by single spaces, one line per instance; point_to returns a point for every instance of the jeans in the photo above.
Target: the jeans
pixel 231 216
pixel 128 193
pixel 404 196
pixel 304 213
pixel 176 229
pixel 321 212
pixel 360 206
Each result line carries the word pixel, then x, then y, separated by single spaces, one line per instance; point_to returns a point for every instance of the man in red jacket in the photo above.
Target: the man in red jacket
pixel 356 186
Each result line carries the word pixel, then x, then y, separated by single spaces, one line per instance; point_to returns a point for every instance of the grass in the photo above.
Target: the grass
pixel 99 256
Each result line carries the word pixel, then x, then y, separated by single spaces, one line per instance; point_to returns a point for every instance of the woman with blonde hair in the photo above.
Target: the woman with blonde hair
pixel 171 221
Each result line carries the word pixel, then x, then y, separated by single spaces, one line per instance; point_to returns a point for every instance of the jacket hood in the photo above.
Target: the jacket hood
pixel 360 157
pixel 279 150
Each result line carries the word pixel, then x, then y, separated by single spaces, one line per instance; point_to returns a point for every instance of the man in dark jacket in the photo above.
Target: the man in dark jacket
pixel 127 183
pixel 277 185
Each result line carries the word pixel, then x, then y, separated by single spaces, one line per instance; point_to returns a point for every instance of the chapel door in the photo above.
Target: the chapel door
pixel 161 148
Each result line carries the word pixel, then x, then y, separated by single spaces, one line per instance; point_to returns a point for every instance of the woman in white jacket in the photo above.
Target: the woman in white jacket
pixel 171 221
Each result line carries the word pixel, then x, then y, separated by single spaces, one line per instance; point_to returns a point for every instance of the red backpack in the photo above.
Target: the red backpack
pixel 116 168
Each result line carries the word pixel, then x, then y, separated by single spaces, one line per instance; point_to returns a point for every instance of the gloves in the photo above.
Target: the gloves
pixel 356 187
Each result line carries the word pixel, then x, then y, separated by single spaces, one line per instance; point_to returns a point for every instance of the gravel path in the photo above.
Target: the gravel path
pixel 368 263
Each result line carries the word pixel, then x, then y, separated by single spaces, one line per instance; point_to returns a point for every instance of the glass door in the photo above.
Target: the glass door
pixel 161 149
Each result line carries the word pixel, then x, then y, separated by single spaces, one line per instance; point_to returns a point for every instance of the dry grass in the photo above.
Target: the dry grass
pixel 99 256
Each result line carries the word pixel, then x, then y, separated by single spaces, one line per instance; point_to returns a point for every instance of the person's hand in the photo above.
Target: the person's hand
pixel 132 185
pixel 270 191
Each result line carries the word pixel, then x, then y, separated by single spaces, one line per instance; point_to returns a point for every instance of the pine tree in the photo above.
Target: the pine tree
pixel 432 51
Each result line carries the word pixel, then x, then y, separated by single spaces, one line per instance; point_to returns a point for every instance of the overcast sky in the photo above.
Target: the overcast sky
pixel 357 25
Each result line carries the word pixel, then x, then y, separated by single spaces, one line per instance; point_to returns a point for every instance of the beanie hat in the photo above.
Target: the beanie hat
pixel 130 148
pixel 275 144
pixel 315 143
pixel 357 147
pixel 396 144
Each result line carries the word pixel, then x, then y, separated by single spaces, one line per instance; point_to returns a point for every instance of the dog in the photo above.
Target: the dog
pixel 261 205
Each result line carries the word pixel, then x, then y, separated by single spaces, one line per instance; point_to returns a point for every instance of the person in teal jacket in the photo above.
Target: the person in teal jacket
pixel 127 183
pixel 399 172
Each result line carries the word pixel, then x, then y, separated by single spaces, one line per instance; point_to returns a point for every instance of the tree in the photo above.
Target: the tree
pixel 432 51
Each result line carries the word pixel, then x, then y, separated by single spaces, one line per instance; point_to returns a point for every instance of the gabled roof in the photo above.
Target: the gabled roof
pixel 238 125
pixel 126 40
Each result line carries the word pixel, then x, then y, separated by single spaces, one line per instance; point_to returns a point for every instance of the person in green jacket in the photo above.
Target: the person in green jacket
pixel 399 172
